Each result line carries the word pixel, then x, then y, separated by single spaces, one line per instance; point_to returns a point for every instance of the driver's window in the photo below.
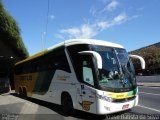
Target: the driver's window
pixel 87 73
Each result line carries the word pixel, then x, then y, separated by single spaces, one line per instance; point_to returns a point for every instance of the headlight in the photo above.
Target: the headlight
pixel 104 97
pixel 110 99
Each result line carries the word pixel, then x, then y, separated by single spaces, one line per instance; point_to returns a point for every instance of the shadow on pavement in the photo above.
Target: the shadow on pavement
pixel 58 109
pixel 79 115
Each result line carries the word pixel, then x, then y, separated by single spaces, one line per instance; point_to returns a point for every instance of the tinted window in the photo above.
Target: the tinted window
pixel 75 58
pixel 55 59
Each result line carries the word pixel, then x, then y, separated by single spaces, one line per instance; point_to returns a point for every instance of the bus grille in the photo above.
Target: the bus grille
pixel 123 100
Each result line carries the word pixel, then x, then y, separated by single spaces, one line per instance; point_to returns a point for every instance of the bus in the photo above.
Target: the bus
pixel 85 74
pixel 4 75
pixel 4 84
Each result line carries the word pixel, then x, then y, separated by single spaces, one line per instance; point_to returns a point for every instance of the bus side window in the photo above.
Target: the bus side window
pixel 87 73
pixel 56 60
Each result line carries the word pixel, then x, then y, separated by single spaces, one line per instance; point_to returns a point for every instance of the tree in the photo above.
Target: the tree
pixel 151 55
pixel 10 33
pixel 11 44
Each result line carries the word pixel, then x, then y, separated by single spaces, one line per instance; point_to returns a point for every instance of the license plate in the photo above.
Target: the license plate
pixel 125 106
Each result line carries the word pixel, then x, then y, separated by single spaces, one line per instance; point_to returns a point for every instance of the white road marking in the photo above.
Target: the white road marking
pixel 149 108
pixel 150 93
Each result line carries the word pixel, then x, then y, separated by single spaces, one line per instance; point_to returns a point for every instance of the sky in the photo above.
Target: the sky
pixel 44 23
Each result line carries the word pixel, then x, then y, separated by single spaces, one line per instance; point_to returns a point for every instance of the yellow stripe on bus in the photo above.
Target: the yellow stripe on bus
pixel 32 57
pixel 119 95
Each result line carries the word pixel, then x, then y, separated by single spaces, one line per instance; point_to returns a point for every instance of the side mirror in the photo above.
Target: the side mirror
pixel 140 58
pixel 96 55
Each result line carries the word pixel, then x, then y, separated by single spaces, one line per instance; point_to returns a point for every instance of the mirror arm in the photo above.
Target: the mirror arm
pixel 140 58
pixel 96 55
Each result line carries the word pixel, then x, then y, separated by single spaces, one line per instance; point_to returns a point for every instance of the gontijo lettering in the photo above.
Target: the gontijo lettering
pixel 26 77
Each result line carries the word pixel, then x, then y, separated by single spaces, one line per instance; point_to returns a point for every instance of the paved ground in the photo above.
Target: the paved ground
pixel 16 108
pixel 12 107
pixel 149 99
pixel 154 79
pixel 149 80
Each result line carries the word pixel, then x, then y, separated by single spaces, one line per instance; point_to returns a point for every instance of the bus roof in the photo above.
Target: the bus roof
pixel 73 42
pixel 86 41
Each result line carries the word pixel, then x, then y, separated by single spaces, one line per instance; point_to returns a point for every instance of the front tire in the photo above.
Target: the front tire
pixel 67 104
pixel 24 93
pixel 20 92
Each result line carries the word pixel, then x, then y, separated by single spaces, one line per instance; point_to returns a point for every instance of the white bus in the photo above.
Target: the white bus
pixel 84 74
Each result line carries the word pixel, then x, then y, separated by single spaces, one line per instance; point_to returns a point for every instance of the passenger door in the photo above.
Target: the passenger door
pixel 88 101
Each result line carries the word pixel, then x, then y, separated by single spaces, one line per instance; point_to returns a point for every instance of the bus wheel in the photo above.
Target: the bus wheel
pixel 20 92
pixel 67 104
pixel 24 93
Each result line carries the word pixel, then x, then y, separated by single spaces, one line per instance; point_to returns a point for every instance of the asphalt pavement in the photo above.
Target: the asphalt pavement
pixel 150 98
pixel 149 81
pixel 154 79
pixel 13 107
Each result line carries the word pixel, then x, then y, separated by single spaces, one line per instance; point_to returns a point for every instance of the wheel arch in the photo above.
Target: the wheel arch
pixel 66 93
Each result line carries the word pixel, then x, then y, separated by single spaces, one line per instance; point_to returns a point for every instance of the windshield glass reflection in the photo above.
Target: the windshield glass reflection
pixel 117 70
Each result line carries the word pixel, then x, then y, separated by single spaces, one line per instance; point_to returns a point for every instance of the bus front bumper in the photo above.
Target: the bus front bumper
pixel 105 107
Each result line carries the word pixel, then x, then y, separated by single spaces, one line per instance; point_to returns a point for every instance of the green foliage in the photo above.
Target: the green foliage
pixel 151 54
pixel 10 33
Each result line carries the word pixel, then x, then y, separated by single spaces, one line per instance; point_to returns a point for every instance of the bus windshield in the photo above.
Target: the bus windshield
pixel 117 73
